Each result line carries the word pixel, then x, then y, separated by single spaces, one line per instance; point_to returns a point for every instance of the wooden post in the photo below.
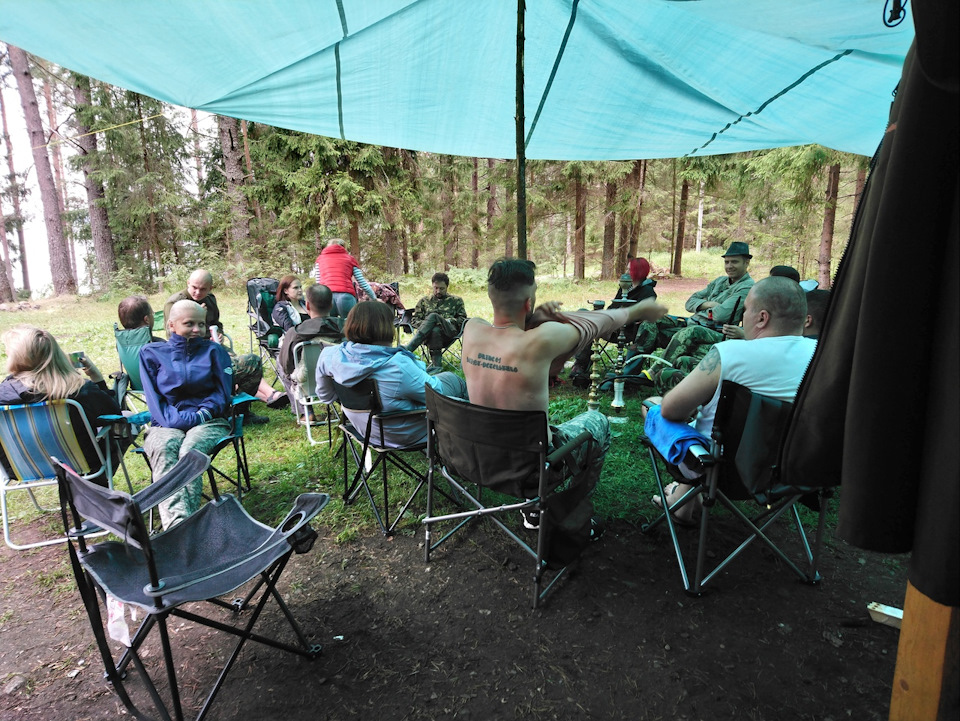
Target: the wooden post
pixel 925 682
pixel 521 145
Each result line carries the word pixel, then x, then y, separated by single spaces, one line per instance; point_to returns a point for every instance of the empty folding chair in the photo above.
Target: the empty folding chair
pixel 740 468
pixel 479 449
pixel 264 334
pixel 211 553
pixel 305 357
pixel 29 435
pixel 369 452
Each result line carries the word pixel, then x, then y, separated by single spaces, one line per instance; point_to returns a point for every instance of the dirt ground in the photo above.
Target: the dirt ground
pixel 456 639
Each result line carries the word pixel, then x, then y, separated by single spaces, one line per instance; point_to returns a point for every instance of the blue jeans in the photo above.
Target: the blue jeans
pixel 342 303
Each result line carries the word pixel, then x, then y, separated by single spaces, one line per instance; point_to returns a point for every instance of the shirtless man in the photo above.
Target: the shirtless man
pixel 507 364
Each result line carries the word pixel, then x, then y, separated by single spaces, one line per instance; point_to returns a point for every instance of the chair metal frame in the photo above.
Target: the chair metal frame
pixel 229 549
pixel 28 453
pixel 307 354
pixel 364 397
pixel 741 466
pixel 515 460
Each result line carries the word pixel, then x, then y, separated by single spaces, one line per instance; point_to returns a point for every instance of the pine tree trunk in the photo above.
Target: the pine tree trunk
pixel 511 219
pixel 57 161
pixel 861 182
pixel 448 194
pixel 355 238
pixel 7 288
pixel 700 218
pixel 579 227
pixel 99 224
pixel 609 233
pixel 475 215
pixel 59 264
pixel 248 179
pixel 829 221
pixel 641 166
pixel 230 147
pixel 681 227
pixel 15 193
pixel 195 131
pixel 153 235
pixel 491 194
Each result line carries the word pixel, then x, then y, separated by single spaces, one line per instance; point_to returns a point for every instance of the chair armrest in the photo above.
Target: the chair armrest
pixel 567 448
pixel 699 457
pixel 193 464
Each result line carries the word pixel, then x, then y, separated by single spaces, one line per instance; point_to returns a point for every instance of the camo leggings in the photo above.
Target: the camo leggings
pixel 165 446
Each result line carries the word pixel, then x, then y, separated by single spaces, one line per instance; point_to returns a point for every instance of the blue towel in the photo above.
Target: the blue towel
pixel 672 439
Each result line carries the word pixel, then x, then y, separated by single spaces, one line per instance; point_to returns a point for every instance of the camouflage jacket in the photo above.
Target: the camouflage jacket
pixel 449 307
pixel 729 296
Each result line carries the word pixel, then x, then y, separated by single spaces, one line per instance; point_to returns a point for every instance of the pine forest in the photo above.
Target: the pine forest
pixel 134 191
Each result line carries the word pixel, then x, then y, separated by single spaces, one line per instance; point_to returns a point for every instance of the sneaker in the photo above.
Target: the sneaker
pixel 597 529
pixel 531 518
pixel 252 419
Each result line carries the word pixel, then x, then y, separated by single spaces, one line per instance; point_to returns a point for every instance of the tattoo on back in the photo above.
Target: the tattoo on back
pixel 484 360
pixel 711 361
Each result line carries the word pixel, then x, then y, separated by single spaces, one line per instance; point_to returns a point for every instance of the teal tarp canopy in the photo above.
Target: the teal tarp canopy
pixel 604 79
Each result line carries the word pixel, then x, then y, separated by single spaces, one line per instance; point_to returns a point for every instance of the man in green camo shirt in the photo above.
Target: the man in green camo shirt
pixel 438 318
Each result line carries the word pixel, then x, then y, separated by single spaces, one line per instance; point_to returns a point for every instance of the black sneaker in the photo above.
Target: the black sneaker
pixel 531 518
pixel 252 419
pixel 596 529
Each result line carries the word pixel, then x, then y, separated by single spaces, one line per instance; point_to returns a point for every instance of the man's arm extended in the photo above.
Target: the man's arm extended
pixel 694 390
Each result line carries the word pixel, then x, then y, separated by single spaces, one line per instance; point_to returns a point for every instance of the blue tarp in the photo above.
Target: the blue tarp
pixel 604 79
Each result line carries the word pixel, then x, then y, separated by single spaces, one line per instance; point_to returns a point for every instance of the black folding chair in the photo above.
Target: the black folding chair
pixel 364 397
pixel 261 298
pixel 479 449
pixel 740 468
pixel 208 555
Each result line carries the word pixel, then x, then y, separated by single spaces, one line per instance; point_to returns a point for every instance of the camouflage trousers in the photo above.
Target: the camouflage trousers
pixel 685 350
pixel 589 456
pixel 436 331
pixel 657 334
pixel 165 446
pixel 247 371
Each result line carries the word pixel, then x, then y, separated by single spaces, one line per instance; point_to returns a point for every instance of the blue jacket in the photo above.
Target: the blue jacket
pixel 400 376
pixel 186 382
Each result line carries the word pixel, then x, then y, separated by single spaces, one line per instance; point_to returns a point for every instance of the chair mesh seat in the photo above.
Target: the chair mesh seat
pixel 212 543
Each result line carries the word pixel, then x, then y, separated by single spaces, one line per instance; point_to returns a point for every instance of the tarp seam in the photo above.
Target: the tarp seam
pixel 553 72
pixel 769 100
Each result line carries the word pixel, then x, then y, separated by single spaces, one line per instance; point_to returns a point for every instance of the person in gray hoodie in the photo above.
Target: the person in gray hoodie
pixel 368 352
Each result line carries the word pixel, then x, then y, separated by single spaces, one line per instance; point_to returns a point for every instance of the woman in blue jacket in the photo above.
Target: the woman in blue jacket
pixel 368 352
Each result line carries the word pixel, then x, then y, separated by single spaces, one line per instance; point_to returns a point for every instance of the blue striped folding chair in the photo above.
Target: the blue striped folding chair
pixel 29 436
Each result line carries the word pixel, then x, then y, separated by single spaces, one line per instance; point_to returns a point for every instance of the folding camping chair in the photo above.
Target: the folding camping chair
pixel 29 435
pixel 261 298
pixel 364 397
pixel 479 449
pixel 213 552
pixel 305 357
pixel 741 466
pixel 127 383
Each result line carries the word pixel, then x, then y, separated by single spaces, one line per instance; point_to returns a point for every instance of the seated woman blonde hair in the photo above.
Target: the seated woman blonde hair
pixel 40 371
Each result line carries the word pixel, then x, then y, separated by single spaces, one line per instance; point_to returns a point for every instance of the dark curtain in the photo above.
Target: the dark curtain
pixel 879 409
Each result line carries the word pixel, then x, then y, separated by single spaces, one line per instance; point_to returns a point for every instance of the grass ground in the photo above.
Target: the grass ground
pixel 281 461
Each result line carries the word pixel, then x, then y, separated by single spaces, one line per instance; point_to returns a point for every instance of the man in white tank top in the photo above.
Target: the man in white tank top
pixel 771 361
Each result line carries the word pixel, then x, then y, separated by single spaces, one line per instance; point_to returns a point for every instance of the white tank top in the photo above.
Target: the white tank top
pixel 771 366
